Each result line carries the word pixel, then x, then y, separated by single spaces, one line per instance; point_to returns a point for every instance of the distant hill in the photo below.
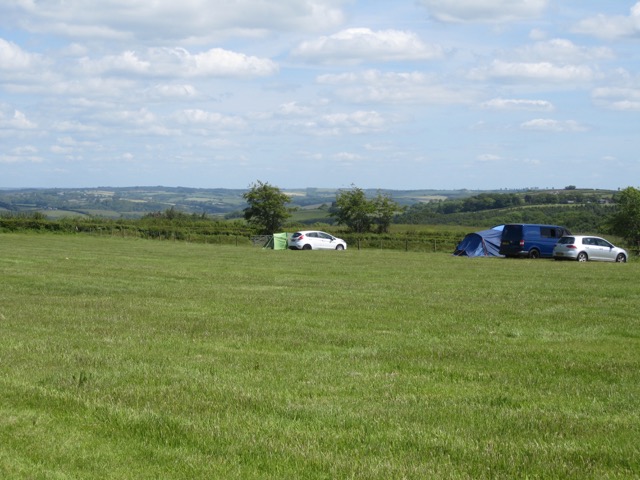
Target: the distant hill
pixel 452 207
pixel 133 202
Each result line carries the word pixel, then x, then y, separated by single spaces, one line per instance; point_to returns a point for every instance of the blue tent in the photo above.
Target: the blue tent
pixel 481 244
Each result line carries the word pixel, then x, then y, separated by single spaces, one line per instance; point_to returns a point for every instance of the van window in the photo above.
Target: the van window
pixel 549 232
pixel 512 233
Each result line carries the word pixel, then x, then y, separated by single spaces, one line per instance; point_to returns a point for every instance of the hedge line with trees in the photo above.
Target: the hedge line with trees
pixel 267 212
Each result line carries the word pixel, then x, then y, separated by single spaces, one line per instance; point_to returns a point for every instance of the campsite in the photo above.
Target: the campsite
pixel 485 243
pixel 130 358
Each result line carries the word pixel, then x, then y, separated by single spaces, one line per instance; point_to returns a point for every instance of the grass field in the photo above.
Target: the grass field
pixel 123 359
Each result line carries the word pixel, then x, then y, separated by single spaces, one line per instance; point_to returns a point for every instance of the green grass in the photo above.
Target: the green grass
pixel 123 358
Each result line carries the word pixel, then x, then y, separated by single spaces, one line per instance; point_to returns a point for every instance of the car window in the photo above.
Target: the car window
pixel 326 236
pixel 548 232
pixel 567 240
pixel 587 241
pixel 312 235
pixel 603 243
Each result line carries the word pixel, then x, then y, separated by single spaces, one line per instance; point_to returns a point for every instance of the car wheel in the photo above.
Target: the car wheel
pixel 534 253
pixel 621 258
pixel 307 247
pixel 339 247
pixel 582 257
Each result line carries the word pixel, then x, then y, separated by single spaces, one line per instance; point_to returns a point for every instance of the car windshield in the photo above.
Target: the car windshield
pixel 567 240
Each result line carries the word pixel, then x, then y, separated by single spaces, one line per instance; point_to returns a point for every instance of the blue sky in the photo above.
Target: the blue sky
pixel 403 94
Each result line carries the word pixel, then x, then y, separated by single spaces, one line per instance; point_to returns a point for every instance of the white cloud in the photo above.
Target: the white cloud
pixel 72 126
pixel 356 45
pixel 210 119
pixel 17 121
pixel 550 125
pixel 167 19
pixel 534 162
pixel 177 91
pixel 25 150
pixel 486 11
pixel 141 117
pixel 518 104
pixel 86 92
pixel 538 72
pixel 61 150
pixel 9 159
pixel 374 86
pixel 612 26
pixel 12 57
pixel 358 122
pixel 347 157
pixel 562 51
pixel 219 62
pixel 179 62
pixel 294 109
pixel 126 62
pixel 621 99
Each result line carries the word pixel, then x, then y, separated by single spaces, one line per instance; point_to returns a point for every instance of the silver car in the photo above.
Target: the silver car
pixel 315 240
pixel 586 247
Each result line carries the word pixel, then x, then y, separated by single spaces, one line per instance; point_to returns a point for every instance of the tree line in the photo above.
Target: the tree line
pixel 267 209
pixel 267 212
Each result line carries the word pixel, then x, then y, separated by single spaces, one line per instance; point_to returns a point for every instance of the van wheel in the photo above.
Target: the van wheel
pixel 582 257
pixel 534 253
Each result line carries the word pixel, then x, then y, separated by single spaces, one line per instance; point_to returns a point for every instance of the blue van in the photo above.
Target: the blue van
pixel 530 240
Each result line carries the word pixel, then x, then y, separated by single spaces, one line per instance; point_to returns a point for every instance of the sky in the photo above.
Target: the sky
pixel 395 94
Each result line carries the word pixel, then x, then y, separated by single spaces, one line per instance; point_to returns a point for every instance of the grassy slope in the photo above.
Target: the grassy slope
pixel 138 359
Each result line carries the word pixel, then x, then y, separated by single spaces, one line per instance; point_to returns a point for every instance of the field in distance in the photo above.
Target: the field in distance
pixel 134 202
pixel 124 358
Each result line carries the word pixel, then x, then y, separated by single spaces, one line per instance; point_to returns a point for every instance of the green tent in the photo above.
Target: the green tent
pixel 278 241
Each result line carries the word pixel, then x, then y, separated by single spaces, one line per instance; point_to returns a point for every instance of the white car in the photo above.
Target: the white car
pixel 315 240
pixel 586 247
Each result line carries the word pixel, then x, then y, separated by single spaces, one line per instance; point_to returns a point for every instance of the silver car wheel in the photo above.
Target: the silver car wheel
pixel 621 258
pixel 582 257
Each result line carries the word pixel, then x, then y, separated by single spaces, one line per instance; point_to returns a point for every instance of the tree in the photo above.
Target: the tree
pixel 626 221
pixel 267 209
pixel 384 210
pixel 353 209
